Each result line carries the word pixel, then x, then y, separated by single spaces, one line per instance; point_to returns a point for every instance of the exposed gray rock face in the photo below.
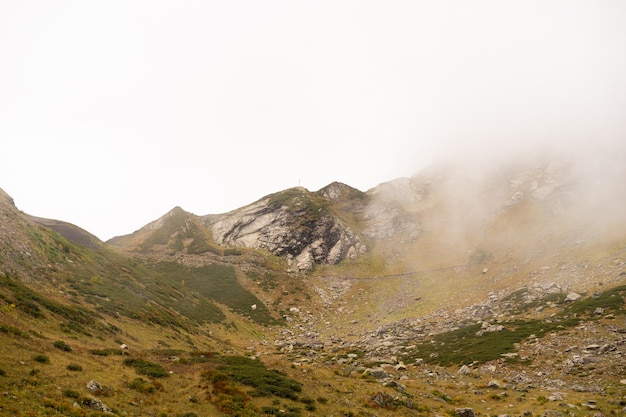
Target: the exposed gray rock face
pixel 295 228
pixel 547 182
pixel 385 217
pixel 401 190
pixel 385 220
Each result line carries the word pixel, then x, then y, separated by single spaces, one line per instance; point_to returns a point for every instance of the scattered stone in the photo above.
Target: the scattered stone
pixel 96 404
pixel 464 370
pixel 94 386
pixel 590 404
pixel 464 412
pixel 553 413
pixel 378 373
pixel 383 400
pixel 494 384
pixel 572 296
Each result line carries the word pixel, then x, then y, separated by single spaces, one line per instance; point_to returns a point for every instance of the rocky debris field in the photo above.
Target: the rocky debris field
pixel 573 368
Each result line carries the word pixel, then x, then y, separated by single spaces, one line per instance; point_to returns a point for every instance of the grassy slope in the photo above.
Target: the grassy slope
pixel 168 313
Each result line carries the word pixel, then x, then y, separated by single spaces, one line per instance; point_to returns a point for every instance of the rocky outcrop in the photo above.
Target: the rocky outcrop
pixel 385 216
pixel 385 220
pixel 295 224
pixel 547 183
pixel 400 190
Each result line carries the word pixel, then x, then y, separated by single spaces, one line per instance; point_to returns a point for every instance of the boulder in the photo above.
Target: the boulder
pixel 464 370
pixel 572 296
pixel 464 412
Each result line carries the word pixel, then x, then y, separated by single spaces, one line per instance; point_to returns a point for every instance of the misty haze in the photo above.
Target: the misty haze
pixel 337 209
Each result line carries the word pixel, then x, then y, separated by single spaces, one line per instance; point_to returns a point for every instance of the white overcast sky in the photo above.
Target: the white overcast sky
pixel 113 112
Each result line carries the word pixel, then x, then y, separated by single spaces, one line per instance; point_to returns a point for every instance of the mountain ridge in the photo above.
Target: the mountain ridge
pixel 495 290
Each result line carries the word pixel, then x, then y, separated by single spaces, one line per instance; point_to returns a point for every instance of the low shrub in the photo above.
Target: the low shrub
pixel 107 352
pixel 41 359
pixel 147 368
pixel 74 367
pixel 266 382
pixel 61 345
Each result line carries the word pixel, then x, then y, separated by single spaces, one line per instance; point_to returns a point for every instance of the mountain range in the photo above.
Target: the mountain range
pixel 479 287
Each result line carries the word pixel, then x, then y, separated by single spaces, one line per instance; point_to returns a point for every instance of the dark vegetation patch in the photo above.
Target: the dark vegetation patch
pixel 463 345
pixel 108 352
pixel 611 301
pixel 61 345
pixel 74 367
pixel 118 285
pixel 13 331
pixel 31 302
pixel 144 367
pixel 219 283
pixel 229 374
pixel 266 382
pixel 41 358
pixel 165 294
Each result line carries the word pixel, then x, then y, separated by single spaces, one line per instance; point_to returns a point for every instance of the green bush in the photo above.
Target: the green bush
pixel 107 352
pixel 74 367
pixel 59 344
pixel 147 368
pixel 41 359
pixel 266 382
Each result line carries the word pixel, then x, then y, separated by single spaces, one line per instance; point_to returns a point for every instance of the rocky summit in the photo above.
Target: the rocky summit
pixel 469 289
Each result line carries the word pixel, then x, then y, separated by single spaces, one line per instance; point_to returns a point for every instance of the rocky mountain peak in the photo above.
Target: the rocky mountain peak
pixel 337 191
pixel 295 223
